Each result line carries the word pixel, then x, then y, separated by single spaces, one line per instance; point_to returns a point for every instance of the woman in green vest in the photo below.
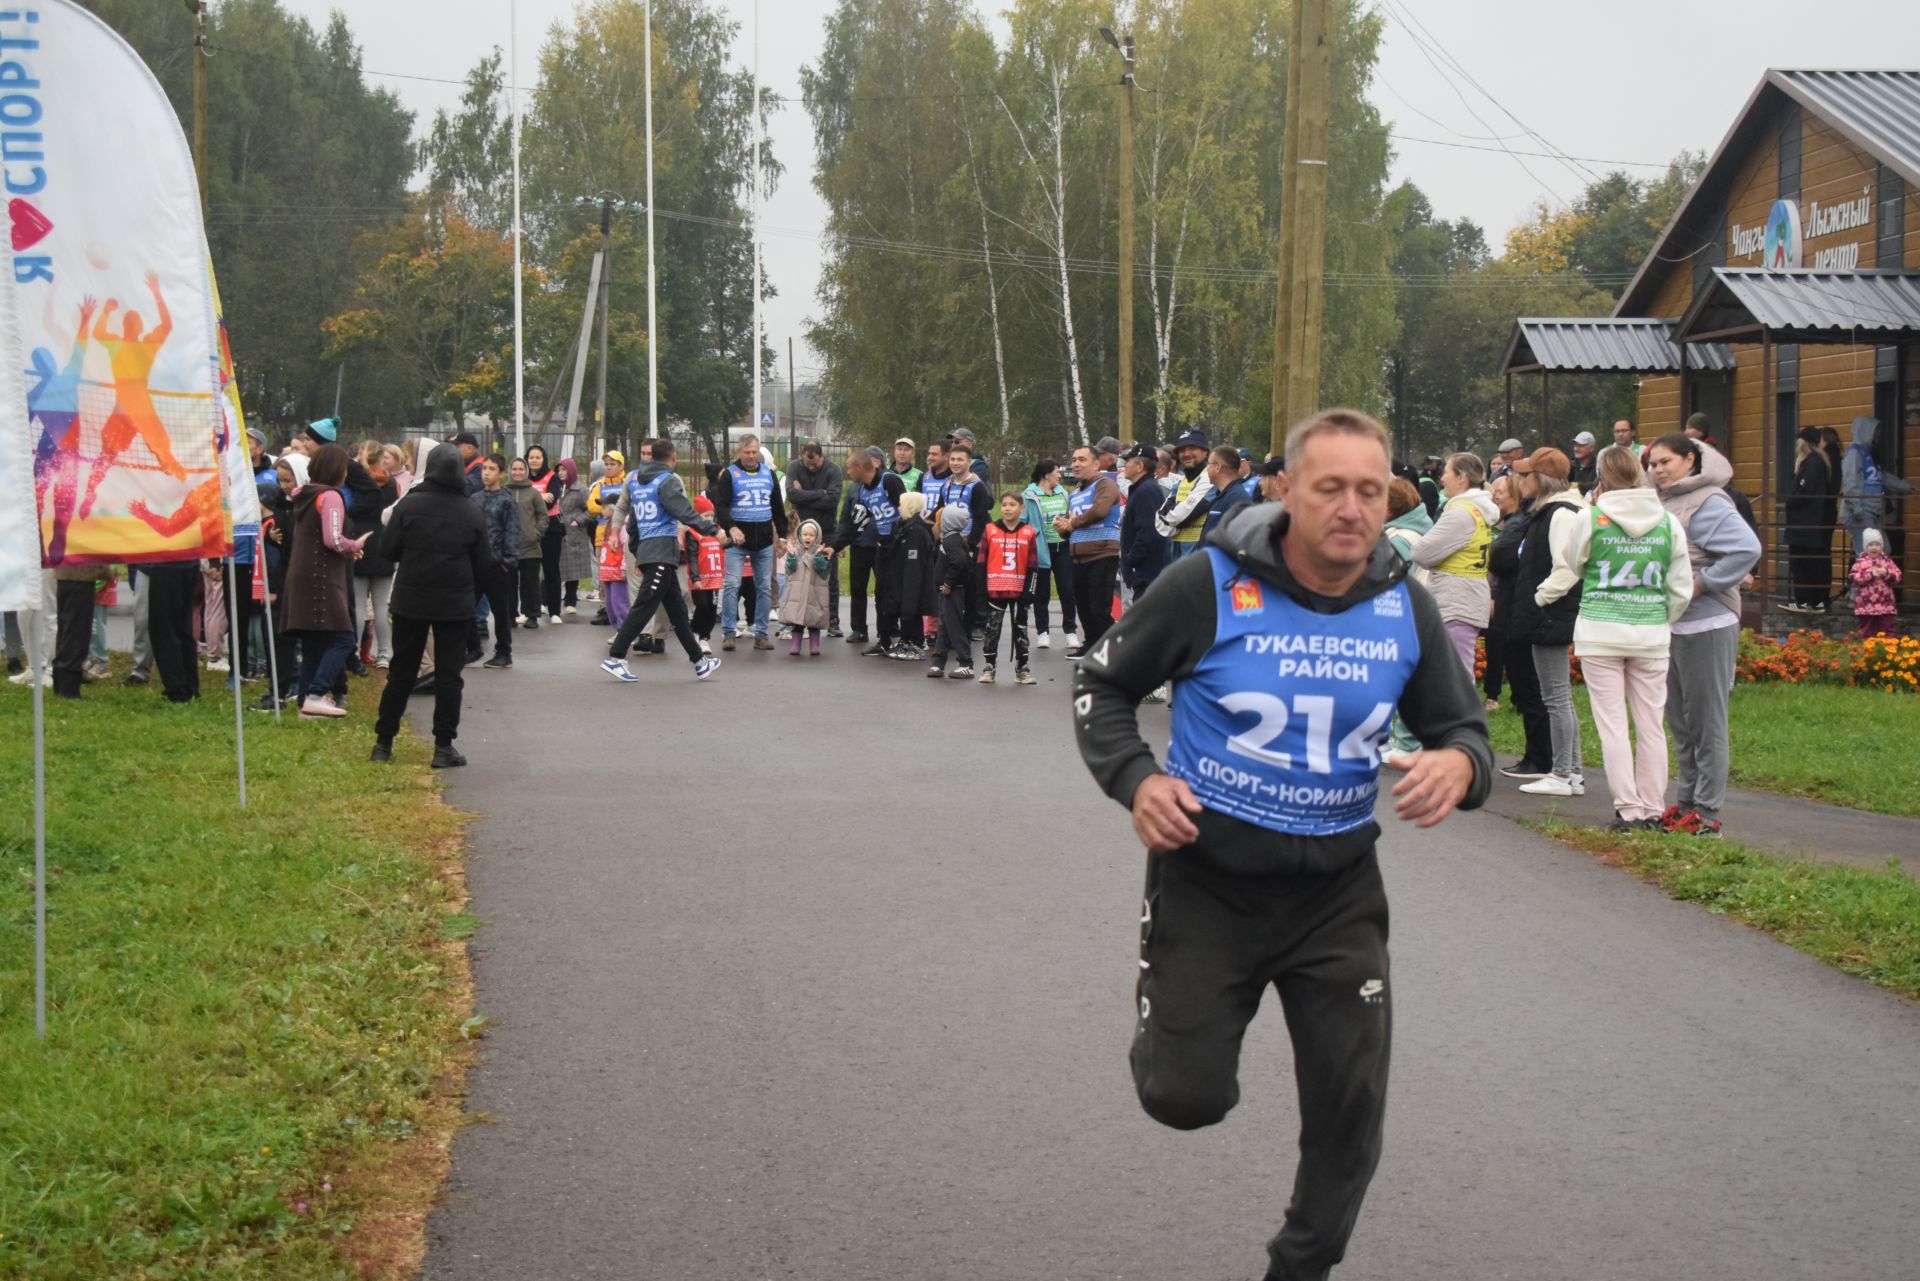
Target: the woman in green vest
pixel 1630 558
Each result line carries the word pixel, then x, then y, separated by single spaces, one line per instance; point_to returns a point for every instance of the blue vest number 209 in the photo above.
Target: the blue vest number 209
pixel 880 507
pixel 649 519
pixel 752 495
pixel 1282 722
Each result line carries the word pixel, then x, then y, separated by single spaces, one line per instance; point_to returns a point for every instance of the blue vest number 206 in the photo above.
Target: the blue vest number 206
pixel 1281 723
pixel 752 495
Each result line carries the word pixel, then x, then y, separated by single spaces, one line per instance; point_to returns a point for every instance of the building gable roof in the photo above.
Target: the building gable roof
pixel 1803 306
pixel 1877 111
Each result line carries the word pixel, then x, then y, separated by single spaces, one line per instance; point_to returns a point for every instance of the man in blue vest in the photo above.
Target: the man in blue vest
pixel 1292 637
pixel 748 507
pixel 657 505
pixel 869 530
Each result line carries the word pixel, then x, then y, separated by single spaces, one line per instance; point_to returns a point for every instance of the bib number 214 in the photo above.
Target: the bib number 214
pixel 1362 744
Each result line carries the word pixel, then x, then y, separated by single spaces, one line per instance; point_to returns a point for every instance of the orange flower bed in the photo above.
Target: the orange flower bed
pixel 1890 663
pixel 1480 663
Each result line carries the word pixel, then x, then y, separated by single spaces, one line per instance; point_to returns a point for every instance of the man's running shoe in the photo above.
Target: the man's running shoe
pixel 1524 772
pixel 1690 823
pixel 986 676
pixel 1077 653
pixel 705 667
pixel 961 674
pixel 858 637
pixel 1042 642
pixel 447 756
pixel 1022 676
pixel 1073 642
pixel 617 668
pixel 935 672
pixel 1670 816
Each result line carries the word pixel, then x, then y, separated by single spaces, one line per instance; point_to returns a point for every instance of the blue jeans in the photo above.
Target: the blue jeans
pixel 323 658
pixel 1182 549
pixel 737 558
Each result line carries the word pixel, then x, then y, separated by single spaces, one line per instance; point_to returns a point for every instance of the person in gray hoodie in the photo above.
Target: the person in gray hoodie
pixel 1291 638
pixel 1692 477
pixel 955 576
pixel 656 507
pixel 1864 487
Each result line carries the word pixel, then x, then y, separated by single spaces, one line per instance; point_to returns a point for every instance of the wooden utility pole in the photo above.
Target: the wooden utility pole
pixel 198 8
pixel 1126 242
pixel 1303 220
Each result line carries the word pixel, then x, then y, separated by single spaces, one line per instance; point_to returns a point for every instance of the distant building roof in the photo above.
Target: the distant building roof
pixel 1605 345
pixel 1877 111
pixel 1804 306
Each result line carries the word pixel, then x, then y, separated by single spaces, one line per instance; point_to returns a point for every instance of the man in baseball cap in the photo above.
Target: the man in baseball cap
pixel 1585 469
pixel 1184 519
pixel 1510 452
pixel 1544 461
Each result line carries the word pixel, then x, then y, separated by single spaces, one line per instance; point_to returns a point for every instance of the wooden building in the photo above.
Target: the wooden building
pixel 1784 293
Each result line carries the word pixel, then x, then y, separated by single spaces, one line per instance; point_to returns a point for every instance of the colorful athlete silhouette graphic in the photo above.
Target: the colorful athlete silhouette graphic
pixel 54 403
pixel 202 505
pixel 132 354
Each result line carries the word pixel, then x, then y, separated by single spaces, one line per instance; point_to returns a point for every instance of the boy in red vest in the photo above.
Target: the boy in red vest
pixel 706 574
pixel 1009 553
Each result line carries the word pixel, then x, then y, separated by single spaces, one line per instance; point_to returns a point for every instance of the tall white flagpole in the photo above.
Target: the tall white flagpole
pixel 37 668
pixel 753 359
pixel 653 318
pixel 235 621
pixel 519 364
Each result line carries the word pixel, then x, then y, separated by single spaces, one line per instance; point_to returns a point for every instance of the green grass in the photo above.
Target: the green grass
pixel 1840 745
pixel 245 1006
pixel 1864 922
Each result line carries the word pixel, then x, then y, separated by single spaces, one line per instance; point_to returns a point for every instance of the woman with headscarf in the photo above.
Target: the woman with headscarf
pixel 546 480
pixel 576 560
pixel 318 571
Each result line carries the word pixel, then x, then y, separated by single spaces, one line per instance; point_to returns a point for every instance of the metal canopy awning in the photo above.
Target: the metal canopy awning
pixel 1742 304
pixel 1598 345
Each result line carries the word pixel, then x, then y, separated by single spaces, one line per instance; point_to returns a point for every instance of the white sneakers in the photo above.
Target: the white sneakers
pixel 1044 642
pixel 1557 785
pixel 617 668
pixel 1073 642
pixel 320 706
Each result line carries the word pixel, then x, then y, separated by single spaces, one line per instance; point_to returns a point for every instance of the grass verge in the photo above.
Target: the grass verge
pixel 1862 921
pixel 1826 743
pixel 255 1019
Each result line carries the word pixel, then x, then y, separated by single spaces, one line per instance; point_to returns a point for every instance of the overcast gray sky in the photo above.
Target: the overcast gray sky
pixel 1634 80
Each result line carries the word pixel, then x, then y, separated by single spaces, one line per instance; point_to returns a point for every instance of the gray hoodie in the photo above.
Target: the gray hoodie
pixel 673 501
pixel 1462 598
pixel 1721 546
pixel 1862 482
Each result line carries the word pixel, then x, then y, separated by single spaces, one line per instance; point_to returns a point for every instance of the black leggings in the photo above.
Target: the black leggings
pixel 1210 944
pixel 550 568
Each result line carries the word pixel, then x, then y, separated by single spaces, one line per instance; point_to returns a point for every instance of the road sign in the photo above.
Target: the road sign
pixel 766 420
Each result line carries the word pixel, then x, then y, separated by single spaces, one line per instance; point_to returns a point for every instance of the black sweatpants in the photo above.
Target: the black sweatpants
pixel 550 541
pixel 955 636
pixel 449 656
pixel 1093 596
pixel 1210 943
pixel 881 563
pixel 170 594
pixel 72 634
pixel 706 611
pixel 659 588
pixel 530 604
pixel 997 612
pixel 1497 659
pixel 496 587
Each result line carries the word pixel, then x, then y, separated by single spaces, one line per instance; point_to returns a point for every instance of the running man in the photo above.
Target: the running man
pixel 1293 636
pixel 132 354
pixel 657 507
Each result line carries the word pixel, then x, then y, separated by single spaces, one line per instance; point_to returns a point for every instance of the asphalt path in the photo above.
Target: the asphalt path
pixel 821 969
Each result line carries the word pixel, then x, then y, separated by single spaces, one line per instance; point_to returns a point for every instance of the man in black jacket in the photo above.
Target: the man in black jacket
pixel 1143 548
pixel 1294 634
pixel 437 538
pixel 813 491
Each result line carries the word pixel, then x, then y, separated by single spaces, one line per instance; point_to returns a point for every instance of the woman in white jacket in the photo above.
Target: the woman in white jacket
pixel 1630 558
pixel 1454 553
